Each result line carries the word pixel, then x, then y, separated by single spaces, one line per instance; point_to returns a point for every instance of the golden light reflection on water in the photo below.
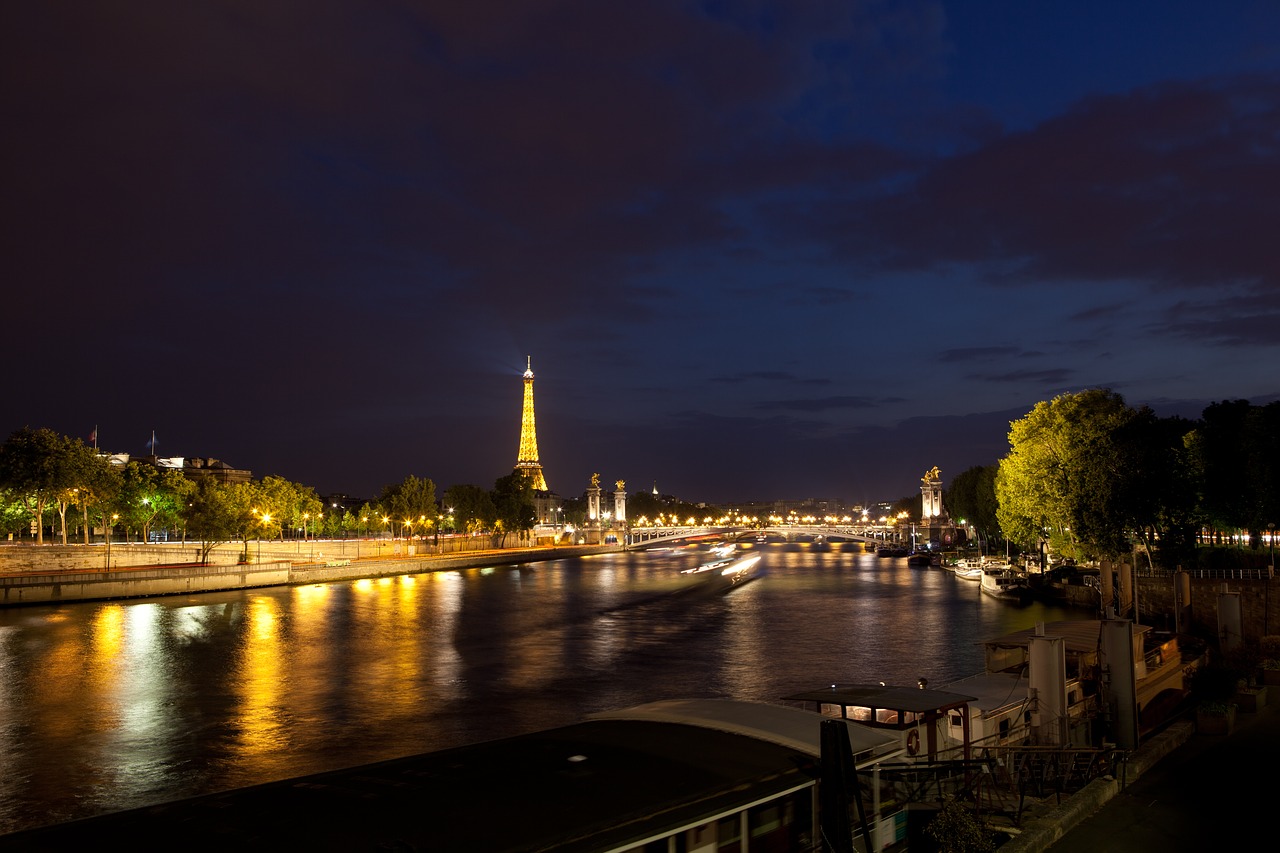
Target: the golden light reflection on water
pixel 260 682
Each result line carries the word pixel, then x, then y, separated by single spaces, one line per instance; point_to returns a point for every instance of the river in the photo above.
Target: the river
pixel 112 705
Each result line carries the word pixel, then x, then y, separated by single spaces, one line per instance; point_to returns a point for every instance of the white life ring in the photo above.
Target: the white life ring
pixel 913 742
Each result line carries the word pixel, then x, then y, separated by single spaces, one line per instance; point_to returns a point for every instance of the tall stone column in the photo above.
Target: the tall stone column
pixel 620 502
pixel 593 501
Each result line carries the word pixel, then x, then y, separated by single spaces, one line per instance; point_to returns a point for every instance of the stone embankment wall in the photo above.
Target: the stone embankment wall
pixel 53 576
pixel 1259 603
pixel 57 557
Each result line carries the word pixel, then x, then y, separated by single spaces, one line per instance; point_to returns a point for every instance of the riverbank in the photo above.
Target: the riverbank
pixel 38 584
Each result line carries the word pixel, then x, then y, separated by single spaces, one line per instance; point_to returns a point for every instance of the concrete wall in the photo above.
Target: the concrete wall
pixel 51 583
pixel 26 557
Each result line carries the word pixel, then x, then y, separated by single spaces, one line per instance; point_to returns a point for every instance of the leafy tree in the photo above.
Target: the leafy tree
pixel 1060 474
pixel 513 501
pixel 412 502
pixel 473 509
pixel 15 513
pixel 220 513
pixel 972 497
pixel 100 489
pixel 1157 497
pixel 151 497
pixel 1236 453
pixel 41 467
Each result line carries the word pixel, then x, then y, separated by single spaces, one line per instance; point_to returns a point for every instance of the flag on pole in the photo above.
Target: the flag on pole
pixel 93 436
pixel 151 445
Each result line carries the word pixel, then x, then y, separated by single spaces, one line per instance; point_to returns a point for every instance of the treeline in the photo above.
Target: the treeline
pixel 1089 477
pixel 49 480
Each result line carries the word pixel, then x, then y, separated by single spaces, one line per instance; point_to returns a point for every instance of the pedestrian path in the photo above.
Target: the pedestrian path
pixel 1187 792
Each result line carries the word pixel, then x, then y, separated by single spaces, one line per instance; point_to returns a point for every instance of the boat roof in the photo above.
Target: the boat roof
pixel 601 784
pixel 1081 635
pixel 914 699
pixel 993 690
pixel 790 727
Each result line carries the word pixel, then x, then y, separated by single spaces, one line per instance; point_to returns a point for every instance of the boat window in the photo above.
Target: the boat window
pixel 729 834
pixel 884 716
pixel 957 719
pixel 859 713
pixel 781 825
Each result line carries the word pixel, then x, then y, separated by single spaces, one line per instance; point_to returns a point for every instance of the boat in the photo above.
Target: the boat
pixel 923 558
pixel 723 574
pixel 968 570
pixel 1004 583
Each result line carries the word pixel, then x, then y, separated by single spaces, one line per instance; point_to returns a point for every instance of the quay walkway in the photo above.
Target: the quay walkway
pixel 1182 791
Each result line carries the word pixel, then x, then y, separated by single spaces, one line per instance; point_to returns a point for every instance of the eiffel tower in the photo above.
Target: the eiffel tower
pixel 527 461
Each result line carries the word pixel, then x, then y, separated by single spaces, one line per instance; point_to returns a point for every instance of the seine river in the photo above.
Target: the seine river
pixel 112 705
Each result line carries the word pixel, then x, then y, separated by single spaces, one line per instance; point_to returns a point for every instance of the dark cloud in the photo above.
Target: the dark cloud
pixel 979 353
pixel 1168 186
pixel 824 404
pixel 769 376
pixel 1049 376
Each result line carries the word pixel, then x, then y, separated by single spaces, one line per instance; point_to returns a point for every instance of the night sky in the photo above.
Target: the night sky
pixel 755 250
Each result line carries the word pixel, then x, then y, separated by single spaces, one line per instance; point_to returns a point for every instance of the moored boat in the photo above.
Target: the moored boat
pixel 1004 583
pixel 968 570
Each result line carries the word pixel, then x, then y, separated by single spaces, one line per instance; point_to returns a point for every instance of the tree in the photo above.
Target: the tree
pixel 412 502
pixel 972 497
pixel 220 513
pixel 472 506
pixel 100 488
pixel 151 497
pixel 40 466
pixel 1157 497
pixel 513 501
pixel 1235 452
pixel 1058 479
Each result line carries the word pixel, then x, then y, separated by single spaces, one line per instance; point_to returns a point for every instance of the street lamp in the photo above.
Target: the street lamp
pixel 1271 547
pixel 265 520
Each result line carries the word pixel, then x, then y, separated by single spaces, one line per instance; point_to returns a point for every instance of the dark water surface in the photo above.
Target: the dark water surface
pixel 111 705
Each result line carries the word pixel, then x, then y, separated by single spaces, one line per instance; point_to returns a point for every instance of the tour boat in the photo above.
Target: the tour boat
pixel 722 575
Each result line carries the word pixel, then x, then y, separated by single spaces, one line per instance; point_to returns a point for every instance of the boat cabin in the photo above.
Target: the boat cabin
pixel 916 716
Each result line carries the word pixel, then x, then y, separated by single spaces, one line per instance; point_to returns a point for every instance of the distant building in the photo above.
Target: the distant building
pixel 191 467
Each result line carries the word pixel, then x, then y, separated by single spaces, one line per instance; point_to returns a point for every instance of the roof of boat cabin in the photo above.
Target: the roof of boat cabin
pixel 1081 635
pixel 994 690
pixel 785 726
pixel 595 785
pixel 914 699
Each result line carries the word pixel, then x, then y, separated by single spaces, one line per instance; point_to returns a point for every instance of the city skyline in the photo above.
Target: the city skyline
pixel 756 251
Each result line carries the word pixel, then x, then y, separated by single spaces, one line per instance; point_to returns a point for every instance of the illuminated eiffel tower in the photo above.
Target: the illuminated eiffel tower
pixel 527 461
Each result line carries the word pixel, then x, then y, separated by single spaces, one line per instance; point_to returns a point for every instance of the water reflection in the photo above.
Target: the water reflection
pixel 106 706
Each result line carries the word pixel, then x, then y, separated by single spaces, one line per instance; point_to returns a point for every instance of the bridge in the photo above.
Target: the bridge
pixel 638 537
